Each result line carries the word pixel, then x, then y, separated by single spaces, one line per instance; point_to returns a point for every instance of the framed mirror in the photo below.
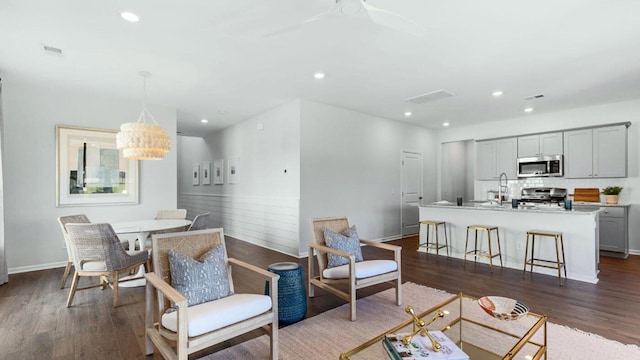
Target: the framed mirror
pixel 90 170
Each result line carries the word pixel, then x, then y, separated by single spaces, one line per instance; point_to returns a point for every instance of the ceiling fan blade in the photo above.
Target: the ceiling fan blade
pixel 333 12
pixel 393 20
pixel 359 9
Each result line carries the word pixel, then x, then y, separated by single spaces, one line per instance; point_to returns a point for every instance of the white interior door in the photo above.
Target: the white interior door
pixel 411 192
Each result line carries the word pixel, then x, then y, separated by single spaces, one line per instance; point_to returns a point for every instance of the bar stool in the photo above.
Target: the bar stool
pixel 532 261
pixel 476 252
pixel 435 245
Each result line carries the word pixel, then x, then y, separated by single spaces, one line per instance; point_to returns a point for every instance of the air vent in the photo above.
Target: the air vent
pixel 532 97
pixel 429 97
pixel 52 50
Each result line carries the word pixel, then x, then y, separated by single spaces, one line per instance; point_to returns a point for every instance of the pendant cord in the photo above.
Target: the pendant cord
pixel 143 115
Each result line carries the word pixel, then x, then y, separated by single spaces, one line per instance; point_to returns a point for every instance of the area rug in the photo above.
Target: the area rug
pixel 329 334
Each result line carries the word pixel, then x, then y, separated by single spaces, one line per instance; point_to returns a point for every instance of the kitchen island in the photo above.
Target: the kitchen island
pixel 579 226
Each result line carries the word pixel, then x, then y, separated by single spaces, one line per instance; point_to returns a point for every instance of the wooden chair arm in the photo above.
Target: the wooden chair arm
pixel 170 293
pixel 330 250
pixel 396 249
pixel 263 272
pixel 380 245
pixel 271 277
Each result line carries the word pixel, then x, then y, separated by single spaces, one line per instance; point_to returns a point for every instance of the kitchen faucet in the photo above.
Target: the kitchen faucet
pixel 502 188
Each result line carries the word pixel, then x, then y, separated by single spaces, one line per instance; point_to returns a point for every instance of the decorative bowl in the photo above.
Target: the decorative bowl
pixel 503 308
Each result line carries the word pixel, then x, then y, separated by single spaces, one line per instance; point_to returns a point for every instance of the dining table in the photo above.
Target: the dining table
pixel 142 228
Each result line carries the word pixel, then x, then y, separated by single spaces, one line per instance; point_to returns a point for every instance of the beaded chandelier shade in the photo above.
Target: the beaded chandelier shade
pixel 143 140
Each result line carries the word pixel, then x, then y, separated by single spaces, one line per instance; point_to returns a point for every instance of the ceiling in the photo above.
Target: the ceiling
pixel 210 58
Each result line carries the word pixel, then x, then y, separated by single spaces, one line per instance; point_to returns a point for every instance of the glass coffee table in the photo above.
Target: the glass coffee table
pixel 479 335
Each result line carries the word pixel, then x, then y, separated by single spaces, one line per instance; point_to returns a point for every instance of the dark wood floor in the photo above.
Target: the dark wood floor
pixel 35 324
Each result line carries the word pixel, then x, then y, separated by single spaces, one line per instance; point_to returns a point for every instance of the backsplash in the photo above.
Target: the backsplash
pixel 515 186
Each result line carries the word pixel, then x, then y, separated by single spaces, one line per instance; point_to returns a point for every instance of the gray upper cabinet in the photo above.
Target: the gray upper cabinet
pixel 578 149
pixel 486 160
pixel 540 145
pixel 495 157
pixel 598 152
pixel 610 151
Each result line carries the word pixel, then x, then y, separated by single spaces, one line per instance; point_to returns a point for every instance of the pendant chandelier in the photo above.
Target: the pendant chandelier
pixel 143 140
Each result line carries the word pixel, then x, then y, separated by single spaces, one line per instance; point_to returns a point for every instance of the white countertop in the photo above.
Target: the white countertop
pixel 584 203
pixel 578 210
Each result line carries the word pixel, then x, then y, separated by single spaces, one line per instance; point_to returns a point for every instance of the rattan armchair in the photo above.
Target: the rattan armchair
pixel 354 275
pixel 192 328
pixel 97 251
pixel 63 221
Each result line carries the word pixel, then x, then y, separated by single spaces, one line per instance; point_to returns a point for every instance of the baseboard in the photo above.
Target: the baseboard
pixel 614 254
pixel 305 254
pixel 23 269
pixel 260 244
pixel 381 240
pixel 634 252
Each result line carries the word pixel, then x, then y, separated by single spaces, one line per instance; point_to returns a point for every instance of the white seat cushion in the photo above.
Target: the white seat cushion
pixel 94 266
pixel 216 314
pixel 364 269
pixel 97 265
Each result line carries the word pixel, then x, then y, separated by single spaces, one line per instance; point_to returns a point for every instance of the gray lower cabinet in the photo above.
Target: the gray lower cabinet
pixel 614 233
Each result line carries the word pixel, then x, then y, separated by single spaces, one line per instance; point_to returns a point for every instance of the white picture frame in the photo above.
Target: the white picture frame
pixel 206 173
pixel 218 172
pixel 90 171
pixel 195 174
pixel 233 173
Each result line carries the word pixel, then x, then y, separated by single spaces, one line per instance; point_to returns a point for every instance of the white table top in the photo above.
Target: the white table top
pixel 138 226
pixel 143 228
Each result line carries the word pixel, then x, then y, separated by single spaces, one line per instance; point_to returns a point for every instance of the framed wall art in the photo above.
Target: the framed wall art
pixel 234 170
pixel 218 172
pixel 206 173
pixel 90 170
pixel 195 174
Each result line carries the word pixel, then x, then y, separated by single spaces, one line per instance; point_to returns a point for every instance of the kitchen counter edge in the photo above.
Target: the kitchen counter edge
pixel 578 210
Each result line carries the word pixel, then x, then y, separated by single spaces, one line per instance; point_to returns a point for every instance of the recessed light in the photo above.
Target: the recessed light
pixel 445 124
pixel 408 113
pixel 204 121
pixel 129 16
pixel 529 109
pixel 318 75
pixel 497 93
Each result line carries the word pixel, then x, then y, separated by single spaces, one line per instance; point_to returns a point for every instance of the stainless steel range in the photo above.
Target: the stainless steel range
pixel 544 195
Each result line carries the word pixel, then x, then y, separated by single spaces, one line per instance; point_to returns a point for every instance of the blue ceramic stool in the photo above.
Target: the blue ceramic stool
pixel 292 295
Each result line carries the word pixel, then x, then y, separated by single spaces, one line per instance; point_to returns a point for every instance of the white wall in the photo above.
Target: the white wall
pixel 455 174
pixel 263 155
pixel 33 238
pixel 350 166
pixel 562 120
pixel 338 162
pixel 263 207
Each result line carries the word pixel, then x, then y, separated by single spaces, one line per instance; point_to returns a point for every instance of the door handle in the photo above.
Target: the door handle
pixel 420 198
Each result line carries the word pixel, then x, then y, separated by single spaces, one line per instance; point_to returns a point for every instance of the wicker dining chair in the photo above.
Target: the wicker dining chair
pixel 179 214
pixel 164 214
pixel 63 221
pixel 200 222
pixel 97 251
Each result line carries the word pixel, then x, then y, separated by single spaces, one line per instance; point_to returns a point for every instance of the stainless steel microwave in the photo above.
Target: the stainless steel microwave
pixel 540 166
